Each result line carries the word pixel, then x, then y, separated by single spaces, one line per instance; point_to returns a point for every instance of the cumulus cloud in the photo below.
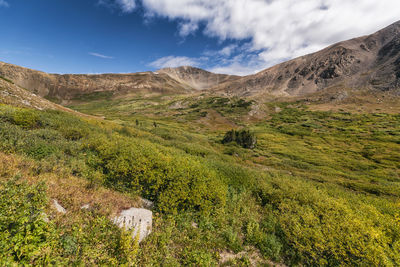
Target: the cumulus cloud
pixel 279 29
pixel 3 3
pixel 174 61
pixel 100 55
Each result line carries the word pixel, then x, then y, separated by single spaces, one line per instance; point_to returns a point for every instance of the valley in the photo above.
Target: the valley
pixel 320 188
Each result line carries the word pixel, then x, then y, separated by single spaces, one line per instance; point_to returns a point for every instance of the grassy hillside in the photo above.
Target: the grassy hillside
pixel 320 188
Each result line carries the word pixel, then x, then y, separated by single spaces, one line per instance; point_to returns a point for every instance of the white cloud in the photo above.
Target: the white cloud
pixel 280 29
pixel 241 64
pixel 174 61
pixel 228 50
pixel 187 28
pixel 3 3
pixel 234 69
pixel 127 5
pixel 100 55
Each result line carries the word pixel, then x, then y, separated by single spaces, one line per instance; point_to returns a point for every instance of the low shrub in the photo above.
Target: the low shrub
pixel 25 237
pixel 242 137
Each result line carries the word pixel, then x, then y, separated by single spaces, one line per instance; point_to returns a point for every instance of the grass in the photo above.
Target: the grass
pixel 320 188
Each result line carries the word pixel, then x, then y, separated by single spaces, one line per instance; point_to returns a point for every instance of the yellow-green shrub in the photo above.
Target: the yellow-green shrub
pixel 174 182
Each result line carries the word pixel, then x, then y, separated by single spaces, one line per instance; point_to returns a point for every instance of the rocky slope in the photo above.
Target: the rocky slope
pixel 197 78
pixel 12 94
pixel 75 86
pixel 70 86
pixel 370 62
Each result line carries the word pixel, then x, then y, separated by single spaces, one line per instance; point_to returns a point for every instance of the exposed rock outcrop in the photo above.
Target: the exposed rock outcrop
pixel 139 219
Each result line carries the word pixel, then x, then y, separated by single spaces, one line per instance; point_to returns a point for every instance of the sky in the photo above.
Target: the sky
pixel 224 36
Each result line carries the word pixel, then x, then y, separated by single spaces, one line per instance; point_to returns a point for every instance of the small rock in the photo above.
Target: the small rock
pixel 139 219
pixel 147 204
pixel 58 207
pixel 85 207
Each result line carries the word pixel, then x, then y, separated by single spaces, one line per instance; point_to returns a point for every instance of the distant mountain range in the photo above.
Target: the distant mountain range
pixel 366 63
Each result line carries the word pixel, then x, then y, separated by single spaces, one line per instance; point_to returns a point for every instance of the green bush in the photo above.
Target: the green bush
pixel 268 243
pixel 331 230
pixel 26 119
pixel 25 237
pixel 242 137
pixel 174 182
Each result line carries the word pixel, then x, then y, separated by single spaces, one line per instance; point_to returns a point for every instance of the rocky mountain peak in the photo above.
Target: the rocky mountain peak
pixel 369 62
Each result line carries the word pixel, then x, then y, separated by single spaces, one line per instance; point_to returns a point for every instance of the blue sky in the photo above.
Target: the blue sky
pixel 226 36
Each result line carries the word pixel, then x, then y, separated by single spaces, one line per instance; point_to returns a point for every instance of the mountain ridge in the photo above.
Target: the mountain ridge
pixel 370 62
pixel 65 87
pixel 69 86
pixel 347 61
pixel 197 78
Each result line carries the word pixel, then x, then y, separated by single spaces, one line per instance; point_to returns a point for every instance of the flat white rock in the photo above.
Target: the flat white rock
pixel 58 207
pixel 139 219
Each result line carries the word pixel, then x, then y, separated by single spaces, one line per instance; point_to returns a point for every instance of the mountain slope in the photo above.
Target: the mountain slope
pixel 371 62
pixel 197 78
pixel 12 94
pixel 70 86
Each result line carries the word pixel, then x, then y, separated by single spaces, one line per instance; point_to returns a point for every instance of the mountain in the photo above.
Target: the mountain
pixel 73 86
pixel 70 86
pixel 369 62
pixel 366 63
pixel 197 78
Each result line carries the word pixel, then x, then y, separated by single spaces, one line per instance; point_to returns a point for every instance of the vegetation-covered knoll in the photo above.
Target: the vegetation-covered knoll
pixel 320 188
